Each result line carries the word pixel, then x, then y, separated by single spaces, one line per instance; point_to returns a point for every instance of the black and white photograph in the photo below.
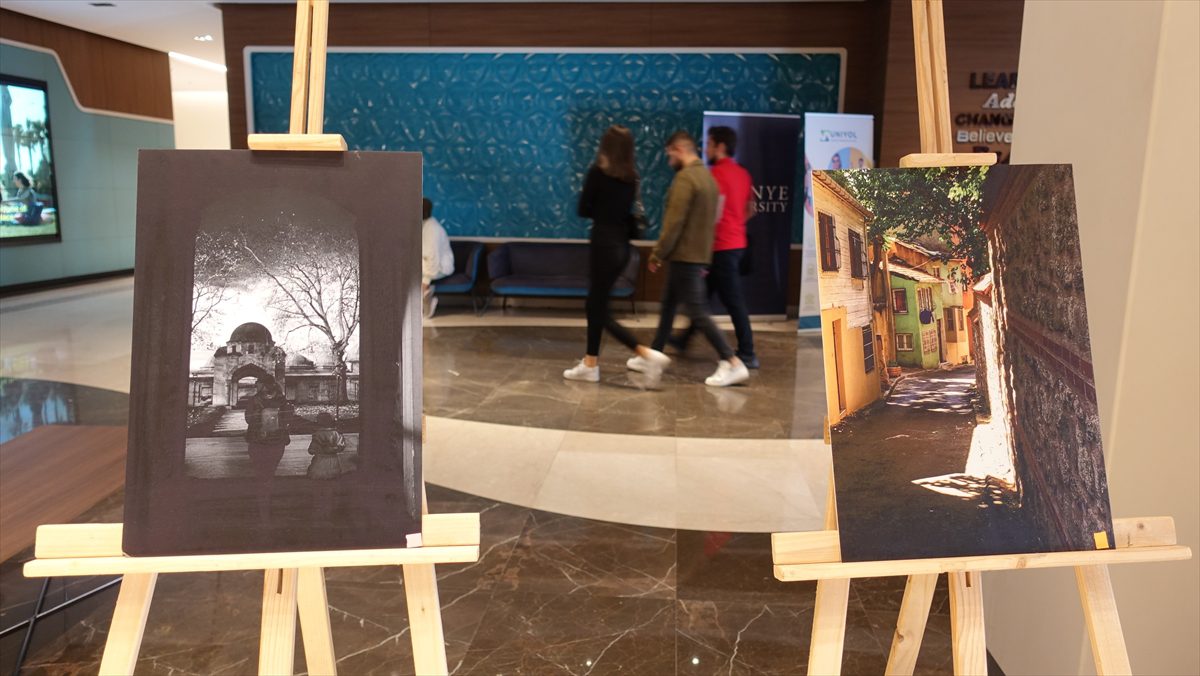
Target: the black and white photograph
pixel 277 355
pixel 274 360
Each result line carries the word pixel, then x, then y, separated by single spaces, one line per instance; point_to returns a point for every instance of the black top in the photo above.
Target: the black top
pixel 608 202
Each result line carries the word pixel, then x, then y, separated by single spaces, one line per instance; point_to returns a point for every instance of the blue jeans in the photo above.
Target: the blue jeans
pixel 725 280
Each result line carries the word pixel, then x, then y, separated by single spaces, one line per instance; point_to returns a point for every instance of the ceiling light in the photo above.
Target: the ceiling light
pixel 203 38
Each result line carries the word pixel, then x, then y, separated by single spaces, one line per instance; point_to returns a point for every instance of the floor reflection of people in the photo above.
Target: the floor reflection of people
pixel 267 415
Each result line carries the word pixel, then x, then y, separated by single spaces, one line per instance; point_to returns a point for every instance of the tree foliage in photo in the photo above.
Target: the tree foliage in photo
pixel 943 203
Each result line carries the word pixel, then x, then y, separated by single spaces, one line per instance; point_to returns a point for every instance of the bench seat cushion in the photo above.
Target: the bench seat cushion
pixel 459 283
pixel 541 285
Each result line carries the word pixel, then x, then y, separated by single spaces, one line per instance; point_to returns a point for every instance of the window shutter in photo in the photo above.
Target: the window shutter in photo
pixel 828 243
pixel 868 338
pixel 857 269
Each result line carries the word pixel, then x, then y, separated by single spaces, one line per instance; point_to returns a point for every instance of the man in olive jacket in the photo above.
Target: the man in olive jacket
pixel 685 245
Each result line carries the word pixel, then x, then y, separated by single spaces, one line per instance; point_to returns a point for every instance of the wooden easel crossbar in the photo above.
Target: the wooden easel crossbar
pixel 294 582
pixel 817 555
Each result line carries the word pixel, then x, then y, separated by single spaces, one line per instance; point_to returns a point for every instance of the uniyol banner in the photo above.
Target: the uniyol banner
pixel 831 141
pixel 767 146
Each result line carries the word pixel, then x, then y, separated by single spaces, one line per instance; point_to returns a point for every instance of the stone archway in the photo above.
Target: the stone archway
pixel 245 371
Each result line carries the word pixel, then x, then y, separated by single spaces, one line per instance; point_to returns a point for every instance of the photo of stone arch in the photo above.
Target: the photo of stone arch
pixel 274 348
pixel 275 401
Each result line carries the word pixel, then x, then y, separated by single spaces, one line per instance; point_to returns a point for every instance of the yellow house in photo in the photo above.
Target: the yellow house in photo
pixel 843 282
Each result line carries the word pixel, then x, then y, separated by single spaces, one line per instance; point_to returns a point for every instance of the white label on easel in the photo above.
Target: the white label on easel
pixel 414 540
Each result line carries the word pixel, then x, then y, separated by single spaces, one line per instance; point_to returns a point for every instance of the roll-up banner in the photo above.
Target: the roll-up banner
pixel 831 141
pixel 768 148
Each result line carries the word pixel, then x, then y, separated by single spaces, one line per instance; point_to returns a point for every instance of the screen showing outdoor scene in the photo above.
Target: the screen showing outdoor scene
pixel 29 208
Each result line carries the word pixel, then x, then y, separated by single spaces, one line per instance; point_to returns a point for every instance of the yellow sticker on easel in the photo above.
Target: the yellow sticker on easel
pixel 1102 539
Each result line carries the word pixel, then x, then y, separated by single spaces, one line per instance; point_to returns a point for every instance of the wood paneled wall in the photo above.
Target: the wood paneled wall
pixel 859 27
pixel 981 36
pixel 106 74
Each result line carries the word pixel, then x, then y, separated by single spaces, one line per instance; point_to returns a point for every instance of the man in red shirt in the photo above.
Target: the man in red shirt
pixel 729 239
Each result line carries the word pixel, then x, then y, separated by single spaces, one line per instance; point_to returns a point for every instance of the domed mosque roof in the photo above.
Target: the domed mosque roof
pixel 251 332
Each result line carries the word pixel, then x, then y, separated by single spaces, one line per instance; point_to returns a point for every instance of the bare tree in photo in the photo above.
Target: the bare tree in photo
pixel 315 278
pixel 216 264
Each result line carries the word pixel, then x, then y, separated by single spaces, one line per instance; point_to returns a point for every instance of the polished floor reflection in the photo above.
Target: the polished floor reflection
pixel 625 528
pixel 512 375
pixel 551 594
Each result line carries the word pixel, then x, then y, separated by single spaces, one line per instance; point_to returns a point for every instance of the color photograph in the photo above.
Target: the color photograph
pixel 958 367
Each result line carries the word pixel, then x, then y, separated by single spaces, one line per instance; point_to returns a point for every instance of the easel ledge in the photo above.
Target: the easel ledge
pixel 816 555
pixel 95 549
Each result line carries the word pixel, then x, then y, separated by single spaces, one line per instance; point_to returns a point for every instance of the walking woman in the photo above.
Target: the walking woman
pixel 608 195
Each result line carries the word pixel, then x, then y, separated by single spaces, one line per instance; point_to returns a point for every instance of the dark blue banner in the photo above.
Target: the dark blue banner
pixel 768 147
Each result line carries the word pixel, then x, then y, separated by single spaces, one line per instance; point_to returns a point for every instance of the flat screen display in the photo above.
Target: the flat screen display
pixel 29 210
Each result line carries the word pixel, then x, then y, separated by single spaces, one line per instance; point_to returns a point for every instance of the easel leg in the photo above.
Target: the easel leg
pixel 1103 622
pixel 829 627
pixel 966 624
pixel 128 624
pixel 277 644
pixel 314 622
pixel 425 619
pixel 910 626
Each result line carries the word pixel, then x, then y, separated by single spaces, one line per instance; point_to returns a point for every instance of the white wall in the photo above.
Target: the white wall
pixel 1117 96
pixel 200 100
pixel 201 120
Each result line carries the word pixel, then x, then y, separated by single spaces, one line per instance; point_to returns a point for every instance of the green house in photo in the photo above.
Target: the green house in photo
pixel 916 304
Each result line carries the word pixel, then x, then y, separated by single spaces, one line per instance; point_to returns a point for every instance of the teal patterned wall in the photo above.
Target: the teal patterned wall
pixel 508 136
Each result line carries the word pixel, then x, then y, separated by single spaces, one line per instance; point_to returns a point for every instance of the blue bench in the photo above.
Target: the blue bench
pixel 467 256
pixel 551 269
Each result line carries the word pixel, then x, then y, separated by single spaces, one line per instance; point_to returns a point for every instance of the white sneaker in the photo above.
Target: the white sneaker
pixel 655 363
pixel 430 307
pixel 727 374
pixel 581 371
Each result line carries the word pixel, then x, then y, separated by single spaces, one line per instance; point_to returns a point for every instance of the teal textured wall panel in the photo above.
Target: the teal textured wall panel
pixel 508 136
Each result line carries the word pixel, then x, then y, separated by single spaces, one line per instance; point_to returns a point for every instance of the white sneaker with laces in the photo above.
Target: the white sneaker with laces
pixel 727 374
pixel 655 363
pixel 583 372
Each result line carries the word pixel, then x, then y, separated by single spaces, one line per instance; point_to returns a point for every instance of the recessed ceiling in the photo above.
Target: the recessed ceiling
pixel 165 25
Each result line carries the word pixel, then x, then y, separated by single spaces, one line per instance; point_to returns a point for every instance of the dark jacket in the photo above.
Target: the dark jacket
pixel 267 419
pixel 608 202
pixel 691 215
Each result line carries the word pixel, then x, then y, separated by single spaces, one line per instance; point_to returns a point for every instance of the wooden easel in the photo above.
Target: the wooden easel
pixel 294 581
pixel 817 555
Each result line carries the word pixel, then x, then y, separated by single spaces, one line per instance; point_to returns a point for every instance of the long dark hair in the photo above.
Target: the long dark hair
pixel 22 179
pixel 615 157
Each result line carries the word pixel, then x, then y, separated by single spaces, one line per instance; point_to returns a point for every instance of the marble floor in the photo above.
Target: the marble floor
pixel 625 528
pixel 551 594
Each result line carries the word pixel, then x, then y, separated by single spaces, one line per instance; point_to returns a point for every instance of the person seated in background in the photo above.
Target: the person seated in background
pixel 437 259
pixel 31 208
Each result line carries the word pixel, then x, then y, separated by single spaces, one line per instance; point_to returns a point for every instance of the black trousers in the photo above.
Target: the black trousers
pixel 607 262
pixel 686 287
pixel 725 280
